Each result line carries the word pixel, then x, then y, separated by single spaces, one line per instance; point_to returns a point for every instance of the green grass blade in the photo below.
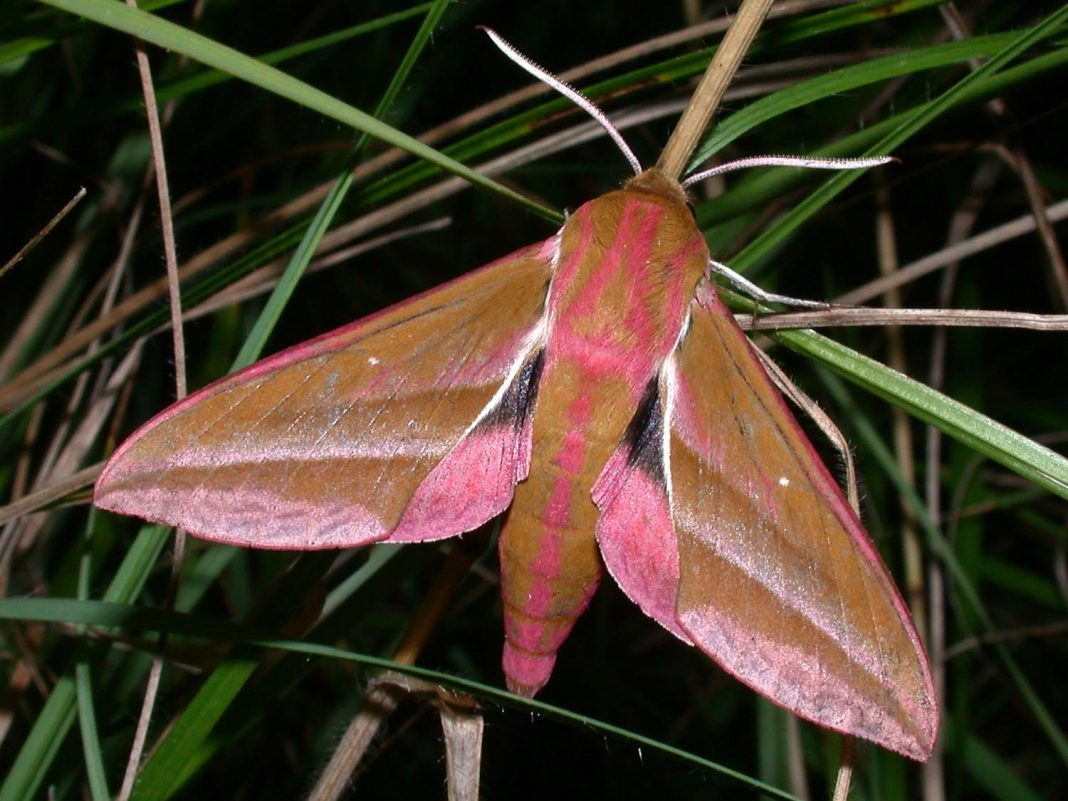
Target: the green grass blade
pixel 102 614
pixel 845 80
pixel 185 87
pixel 324 216
pixel 1005 446
pixel 91 749
pixel 199 48
pixel 24 779
pixel 57 717
pixel 964 586
pixel 83 678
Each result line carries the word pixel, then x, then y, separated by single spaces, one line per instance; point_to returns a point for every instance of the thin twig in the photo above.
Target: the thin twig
pixel 40 499
pixel 845 770
pixel 171 258
pixel 935 261
pixel 59 215
pixel 709 93
pixel 43 309
pixel 1058 270
pixel 383 699
pixel 912 554
pixel 961 224
pixel 1017 157
pixel 1052 629
pixel 863 316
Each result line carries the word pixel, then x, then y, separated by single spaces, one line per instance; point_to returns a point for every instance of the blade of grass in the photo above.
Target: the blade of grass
pixel 170 762
pixel 1014 451
pixel 846 79
pixel 212 77
pixel 53 723
pixel 199 48
pixel 91 749
pixel 937 543
pixel 1035 462
pixel 102 614
pixel 324 216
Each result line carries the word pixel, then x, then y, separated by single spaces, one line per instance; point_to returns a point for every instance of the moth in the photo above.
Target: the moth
pixel 595 387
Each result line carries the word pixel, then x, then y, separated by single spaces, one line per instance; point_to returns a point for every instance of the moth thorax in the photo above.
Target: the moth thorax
pixel 654 181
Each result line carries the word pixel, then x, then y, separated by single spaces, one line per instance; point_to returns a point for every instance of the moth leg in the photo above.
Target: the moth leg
pixel 756 293
pixel 822 420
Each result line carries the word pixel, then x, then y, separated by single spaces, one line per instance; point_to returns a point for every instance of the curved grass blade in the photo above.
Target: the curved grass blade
pixel 757 189
pixel 116 615
pixel 846 79
pixel 1014 451
pixel 199 48
pixel 965 587
pixel 1046 468
pixel 55 720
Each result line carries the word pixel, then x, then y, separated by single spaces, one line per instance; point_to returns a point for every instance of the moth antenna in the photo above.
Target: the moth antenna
pixel 567 91
pixel 790 161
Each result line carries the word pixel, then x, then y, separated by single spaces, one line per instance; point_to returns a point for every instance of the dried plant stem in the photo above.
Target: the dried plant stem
pixel 383 698
pixel 1019 160
pixel 961 225
pixel 954 253
pixel 171 259
pixel 1043 224
pixel 56 491
pixel 886 243
pixel 713 85
pixel 863 316
pixel 845 770
pixel 56 218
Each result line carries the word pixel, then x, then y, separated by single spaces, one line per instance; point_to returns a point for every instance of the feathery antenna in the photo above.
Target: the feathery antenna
pixel 790 161
pixel 567 91
pixel 590 108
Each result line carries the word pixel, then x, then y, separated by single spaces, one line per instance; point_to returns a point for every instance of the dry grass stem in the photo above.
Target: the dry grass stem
pixel 709 93
pixel 954 253
pixel 59 215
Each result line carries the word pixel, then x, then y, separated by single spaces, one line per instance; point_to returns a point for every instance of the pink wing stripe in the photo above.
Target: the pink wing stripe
pixel 795 678
pixel 830 492
pixel 259 520
pixel 637 539
pixel 456 496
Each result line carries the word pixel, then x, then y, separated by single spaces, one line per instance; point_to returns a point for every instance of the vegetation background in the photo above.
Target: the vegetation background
pixel 253 723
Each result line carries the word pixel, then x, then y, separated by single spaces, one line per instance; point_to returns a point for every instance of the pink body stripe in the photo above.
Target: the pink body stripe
pixel 616 306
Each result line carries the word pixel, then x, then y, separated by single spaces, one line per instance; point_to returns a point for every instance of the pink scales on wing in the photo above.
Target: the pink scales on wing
pixel 636 536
